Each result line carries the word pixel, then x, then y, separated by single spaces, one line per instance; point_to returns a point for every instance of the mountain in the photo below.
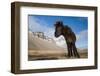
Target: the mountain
pixel 36 43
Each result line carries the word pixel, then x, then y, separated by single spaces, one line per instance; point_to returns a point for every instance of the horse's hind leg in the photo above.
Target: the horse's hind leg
pixel 75 51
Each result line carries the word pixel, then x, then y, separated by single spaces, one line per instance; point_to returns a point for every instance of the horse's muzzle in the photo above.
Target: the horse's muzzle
pixel 56 35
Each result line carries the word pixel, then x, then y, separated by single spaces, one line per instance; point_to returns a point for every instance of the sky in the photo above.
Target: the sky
pixel 79 25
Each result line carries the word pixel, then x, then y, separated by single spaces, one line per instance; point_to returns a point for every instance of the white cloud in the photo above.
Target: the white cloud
pixel 37 25
pixel 82 39
pixel 60 41
pixel 82 34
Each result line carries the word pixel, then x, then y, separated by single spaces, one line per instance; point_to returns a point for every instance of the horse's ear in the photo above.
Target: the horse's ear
pixel 61 23
pixel 58 23
pixel 54 25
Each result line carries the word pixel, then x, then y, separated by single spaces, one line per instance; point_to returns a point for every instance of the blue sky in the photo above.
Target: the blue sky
pixel 40 23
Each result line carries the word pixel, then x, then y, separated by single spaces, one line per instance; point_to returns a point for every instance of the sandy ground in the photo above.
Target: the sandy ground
pixel 51 54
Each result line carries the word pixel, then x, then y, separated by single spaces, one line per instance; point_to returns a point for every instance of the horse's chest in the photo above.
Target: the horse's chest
pixel 69 35
pixel 70 38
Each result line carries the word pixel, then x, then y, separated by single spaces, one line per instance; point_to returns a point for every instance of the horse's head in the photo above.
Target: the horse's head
pixel 58 28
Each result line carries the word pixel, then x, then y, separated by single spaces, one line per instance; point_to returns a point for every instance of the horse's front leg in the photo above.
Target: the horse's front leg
pixel 71 53
pixel 69 50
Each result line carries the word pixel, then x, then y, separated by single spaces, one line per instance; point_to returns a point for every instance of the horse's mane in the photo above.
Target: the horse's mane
pixel 68 28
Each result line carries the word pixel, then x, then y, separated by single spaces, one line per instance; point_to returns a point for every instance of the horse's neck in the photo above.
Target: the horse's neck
pixel 66 30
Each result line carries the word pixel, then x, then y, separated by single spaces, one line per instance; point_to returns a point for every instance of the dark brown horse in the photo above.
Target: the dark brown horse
pixel 69 36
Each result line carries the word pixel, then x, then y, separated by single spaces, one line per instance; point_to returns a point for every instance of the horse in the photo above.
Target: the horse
pixel 70 38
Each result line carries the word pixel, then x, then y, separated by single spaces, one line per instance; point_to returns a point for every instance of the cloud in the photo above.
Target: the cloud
pixel 37 25
pixel 82 34
pixel 82 39
pixel 60 41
